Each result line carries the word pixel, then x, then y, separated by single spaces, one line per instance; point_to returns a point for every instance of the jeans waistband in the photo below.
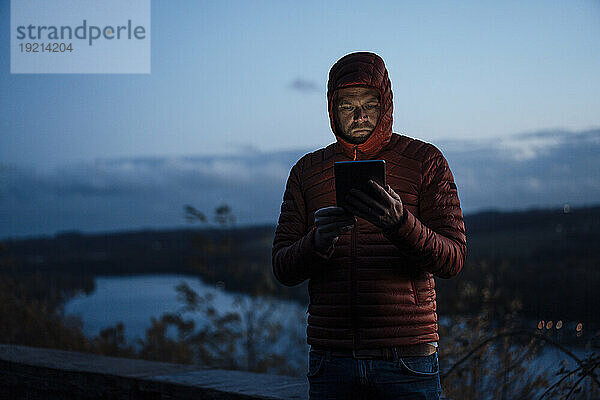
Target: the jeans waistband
pixel 385 353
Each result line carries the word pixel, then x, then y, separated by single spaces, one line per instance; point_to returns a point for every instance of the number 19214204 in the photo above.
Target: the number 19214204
pixel 46 47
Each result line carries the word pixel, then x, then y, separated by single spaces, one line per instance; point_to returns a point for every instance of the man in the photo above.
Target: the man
pixel 372 323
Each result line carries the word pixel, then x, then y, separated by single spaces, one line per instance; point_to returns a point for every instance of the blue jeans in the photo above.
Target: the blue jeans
pixel 349 378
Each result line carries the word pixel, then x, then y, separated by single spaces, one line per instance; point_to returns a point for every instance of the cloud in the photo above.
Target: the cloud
pixel 304 85
pixel 546 168
pixel 124 194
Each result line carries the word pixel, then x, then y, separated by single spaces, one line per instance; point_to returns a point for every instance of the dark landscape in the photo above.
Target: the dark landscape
pixel 527 275
pixel 546 258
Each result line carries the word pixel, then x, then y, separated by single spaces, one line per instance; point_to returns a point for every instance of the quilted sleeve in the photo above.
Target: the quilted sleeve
pixel 437 242
pixel 294 257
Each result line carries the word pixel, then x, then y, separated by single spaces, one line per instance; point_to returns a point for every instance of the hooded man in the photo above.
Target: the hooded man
pixel 372 323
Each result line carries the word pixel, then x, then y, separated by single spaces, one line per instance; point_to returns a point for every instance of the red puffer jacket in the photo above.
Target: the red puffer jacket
pixel 372 289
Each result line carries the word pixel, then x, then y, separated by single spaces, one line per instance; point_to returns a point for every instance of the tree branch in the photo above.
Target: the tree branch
pixel 517 333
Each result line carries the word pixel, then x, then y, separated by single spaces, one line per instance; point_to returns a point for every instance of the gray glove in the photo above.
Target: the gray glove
pixel 331 222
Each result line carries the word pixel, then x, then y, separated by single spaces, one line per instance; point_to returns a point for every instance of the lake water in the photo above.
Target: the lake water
pixel 134 300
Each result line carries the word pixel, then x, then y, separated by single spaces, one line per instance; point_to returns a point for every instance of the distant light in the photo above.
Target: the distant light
pixel 579 327
pixel 549 325
pixel 566 208
pixel 541 325
pixel 558 324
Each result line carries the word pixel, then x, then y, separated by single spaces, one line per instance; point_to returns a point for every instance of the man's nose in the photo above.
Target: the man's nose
pixel 359 114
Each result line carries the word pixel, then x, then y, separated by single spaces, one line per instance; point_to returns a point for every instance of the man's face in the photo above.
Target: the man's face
pixel 356 111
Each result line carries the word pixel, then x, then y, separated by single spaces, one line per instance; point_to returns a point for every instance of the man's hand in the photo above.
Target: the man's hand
pixel 385 210
pixel 330 223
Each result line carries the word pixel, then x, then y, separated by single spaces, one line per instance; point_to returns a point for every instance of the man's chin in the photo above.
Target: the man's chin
pixel 362 134
pixel 358 137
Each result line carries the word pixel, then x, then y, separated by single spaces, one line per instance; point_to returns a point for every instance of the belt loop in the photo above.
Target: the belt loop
pixel 396 355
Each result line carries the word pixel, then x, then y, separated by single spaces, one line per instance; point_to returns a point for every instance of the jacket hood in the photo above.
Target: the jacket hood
pixel 362 69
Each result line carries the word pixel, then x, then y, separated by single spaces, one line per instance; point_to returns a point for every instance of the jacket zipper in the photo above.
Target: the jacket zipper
pixel 355 338
pixel 353 312
pixel 414 288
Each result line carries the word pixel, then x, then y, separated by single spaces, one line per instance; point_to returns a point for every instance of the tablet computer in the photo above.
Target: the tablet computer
pixel 356 174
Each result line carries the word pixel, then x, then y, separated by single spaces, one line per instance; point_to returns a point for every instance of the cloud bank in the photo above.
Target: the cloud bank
pixel 540 169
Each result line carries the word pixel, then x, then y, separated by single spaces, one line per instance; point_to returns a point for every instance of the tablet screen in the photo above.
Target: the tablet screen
pixel 356 174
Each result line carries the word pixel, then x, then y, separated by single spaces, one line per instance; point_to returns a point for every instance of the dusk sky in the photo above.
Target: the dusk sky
pixel 249 77
pixel 228 76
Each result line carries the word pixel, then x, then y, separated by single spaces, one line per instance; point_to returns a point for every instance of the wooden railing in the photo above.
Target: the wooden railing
pixel 36 373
